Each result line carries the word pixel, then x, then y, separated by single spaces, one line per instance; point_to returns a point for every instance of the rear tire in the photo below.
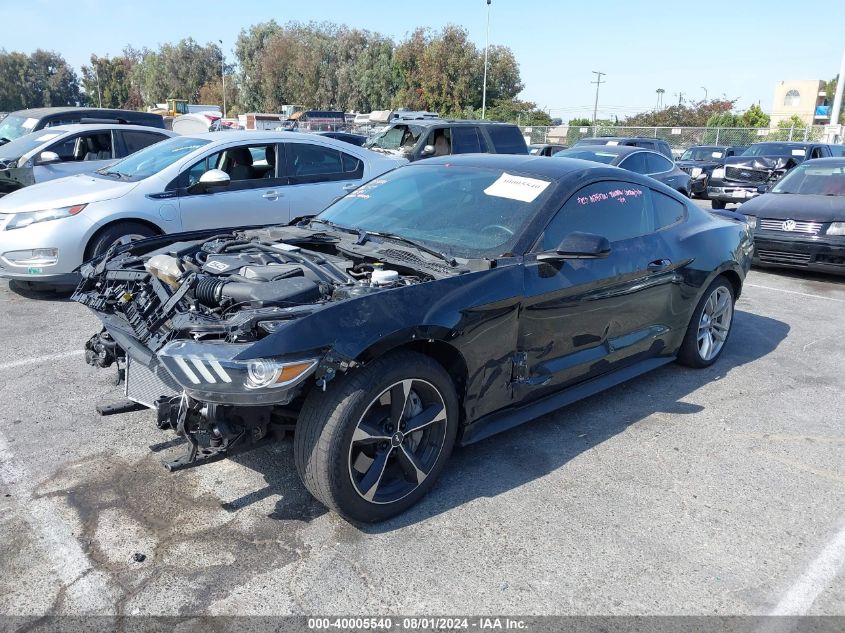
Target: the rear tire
pixel 353 446
pixel 123 232
pixel 717 204
pixel 710 326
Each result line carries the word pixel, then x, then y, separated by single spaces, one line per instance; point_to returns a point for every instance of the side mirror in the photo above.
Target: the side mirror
pixel 47 158
pixel 762 188
pixel 212 179
pixel 578 245
pixel 428 150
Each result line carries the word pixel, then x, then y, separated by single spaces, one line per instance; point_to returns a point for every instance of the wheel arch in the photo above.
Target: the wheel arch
pixel 107 225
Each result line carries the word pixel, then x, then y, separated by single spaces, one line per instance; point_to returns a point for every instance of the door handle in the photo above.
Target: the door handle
pixel 350 186
pixel 659 264
pixel 272 195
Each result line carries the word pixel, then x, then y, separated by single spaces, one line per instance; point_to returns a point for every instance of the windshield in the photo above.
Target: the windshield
pixel 14 126
pixel 461 211
pixel 703 153
pixel 25 144
pixel 595 155
pixel 776 149
pixel 154 158
pixel 402 137
pixel 809 179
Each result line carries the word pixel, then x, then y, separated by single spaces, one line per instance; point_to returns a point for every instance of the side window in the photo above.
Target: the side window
pixel 657 163
pixel 507 139
pixel 636 162
pixel 816 153
pixel 441 140
pixel 310 163
pixel 248 166
pixel 667 210
pixel 615 210
pixel 134 140
pixel 91 146
pixel 466 140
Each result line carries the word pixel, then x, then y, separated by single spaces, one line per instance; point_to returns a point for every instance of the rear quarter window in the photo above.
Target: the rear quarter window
pixel 507 139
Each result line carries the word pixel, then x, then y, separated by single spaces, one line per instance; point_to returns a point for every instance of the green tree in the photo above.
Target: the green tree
pixel 37 80
pixel 791 129
pixel 110 81
pixel 755 117
pixel 249 51
pixel 695 114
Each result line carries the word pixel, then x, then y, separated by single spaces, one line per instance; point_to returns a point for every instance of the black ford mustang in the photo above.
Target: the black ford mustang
pixel 438 304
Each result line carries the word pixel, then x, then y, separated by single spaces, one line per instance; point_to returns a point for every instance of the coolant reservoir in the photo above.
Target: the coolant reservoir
pixel 165 268
pixel 381 277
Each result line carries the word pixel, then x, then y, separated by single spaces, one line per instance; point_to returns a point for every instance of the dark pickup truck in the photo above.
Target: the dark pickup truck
pixel 758 168
pixel 700 161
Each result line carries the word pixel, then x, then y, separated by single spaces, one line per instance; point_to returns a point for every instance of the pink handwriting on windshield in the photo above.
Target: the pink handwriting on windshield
pixel 620 195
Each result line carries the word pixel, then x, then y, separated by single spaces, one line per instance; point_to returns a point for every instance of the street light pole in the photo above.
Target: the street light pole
pixel 598 82
pixel 705 92
pixel 223 76
pixel 486 46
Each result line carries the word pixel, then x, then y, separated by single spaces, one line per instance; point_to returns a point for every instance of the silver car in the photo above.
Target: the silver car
pixel 70 149
pixel 218 179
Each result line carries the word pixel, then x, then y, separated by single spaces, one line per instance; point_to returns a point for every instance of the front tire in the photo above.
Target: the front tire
pixel 374 443
pixel 710 326
pixel 118 233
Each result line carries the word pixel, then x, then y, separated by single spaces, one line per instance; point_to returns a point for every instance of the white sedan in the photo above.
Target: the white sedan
pixel 218 179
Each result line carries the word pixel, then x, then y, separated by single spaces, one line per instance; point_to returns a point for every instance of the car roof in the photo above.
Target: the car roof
pixel 621 150
pixel 526 164
pixel 831 161
pixel 621 138
pixel 73 128
pixel 37 113
pixel 433 122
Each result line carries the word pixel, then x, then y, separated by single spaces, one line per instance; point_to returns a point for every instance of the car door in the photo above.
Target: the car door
pixel 466 139
pixel 316 175
pixel 254 195
pixel 78 154
pixel 584 317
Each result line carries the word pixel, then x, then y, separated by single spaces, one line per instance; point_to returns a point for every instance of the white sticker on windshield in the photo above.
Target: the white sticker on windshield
pixel 799 152
pixel 47 137
pixel 612 143
pixel 517 187
pixel 29 124
pixel 716 154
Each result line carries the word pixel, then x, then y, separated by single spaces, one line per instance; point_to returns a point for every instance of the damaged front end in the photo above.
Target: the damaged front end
pixel 186 322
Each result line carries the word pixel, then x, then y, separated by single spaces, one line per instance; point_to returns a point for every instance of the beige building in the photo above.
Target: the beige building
pixel 805 98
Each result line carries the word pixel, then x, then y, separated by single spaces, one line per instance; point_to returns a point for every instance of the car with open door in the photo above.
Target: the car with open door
pixel 437 305
pixel 185 183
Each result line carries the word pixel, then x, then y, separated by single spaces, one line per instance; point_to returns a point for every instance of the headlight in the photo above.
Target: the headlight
pixel 210 373
pixel 751 221
pixel 836 228
pixel 20 220
pixel 695 172
pixel 719 172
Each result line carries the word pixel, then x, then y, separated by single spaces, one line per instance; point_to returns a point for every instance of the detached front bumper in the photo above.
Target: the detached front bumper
pixel 821 253
pixel 732 193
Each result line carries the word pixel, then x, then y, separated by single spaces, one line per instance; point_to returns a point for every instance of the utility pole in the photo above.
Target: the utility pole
pixel 660 92
pixel 99 94
pixel 223 76
pixel 680 98
pixel 486 46
pixel 598 83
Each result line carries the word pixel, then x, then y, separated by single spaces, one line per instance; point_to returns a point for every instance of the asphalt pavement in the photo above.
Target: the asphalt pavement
pixel 716 491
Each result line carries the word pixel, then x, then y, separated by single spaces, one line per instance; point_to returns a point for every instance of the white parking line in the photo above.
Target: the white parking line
pixel 35 360
pixel 56 537
pixel 795 292
pixel 815 580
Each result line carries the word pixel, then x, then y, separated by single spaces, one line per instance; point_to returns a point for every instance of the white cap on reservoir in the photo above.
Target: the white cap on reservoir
pixel 381 277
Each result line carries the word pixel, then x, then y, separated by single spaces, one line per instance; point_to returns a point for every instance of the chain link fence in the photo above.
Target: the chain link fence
pixel 679 138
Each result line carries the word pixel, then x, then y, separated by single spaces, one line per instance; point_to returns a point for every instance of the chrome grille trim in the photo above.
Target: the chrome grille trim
pixel 745 174
pixel 801 226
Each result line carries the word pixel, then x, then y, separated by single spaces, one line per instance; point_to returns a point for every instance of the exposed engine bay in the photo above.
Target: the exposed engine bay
pixel 182 316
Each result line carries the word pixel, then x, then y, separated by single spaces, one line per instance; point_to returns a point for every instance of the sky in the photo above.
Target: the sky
pixel 738 49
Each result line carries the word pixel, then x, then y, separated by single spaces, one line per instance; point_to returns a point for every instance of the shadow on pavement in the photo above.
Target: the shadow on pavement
pixel 40 292
pixel 511 459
